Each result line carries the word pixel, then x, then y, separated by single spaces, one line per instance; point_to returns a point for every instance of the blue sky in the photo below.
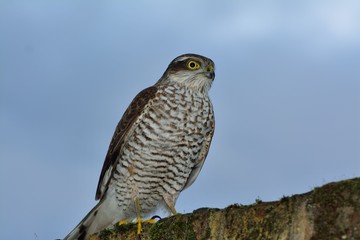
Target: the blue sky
pixel 286 98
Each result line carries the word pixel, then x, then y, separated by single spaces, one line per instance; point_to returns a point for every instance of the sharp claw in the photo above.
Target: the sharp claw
pixel 155 217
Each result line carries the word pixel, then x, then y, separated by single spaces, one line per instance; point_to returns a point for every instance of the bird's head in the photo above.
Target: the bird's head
pixel 190 70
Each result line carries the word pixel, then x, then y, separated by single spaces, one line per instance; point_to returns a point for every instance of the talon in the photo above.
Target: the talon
pixel 155 217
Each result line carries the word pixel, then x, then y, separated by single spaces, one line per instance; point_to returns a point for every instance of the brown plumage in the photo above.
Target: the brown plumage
pixel 134 109
pixel 158 147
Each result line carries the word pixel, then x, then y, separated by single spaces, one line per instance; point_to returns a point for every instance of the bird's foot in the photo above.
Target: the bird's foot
pixel 139 221
pixel 152 220
pixel 123 222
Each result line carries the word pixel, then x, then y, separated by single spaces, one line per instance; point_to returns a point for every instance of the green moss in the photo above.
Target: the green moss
pixel 334 203
pixel 285 199
pixel 328 212
pixel 105 234
pixel 176 227
pixel 258 201
pixel 125 227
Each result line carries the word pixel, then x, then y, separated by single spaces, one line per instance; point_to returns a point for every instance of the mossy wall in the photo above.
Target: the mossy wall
pixel 328 212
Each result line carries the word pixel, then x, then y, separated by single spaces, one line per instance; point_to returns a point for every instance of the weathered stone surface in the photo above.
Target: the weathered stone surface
pixel 328 212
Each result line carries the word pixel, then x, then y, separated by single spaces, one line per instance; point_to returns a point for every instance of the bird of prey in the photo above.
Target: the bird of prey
pixel 158 148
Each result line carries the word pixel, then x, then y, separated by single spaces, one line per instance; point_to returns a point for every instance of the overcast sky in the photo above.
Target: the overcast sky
pixel 286 98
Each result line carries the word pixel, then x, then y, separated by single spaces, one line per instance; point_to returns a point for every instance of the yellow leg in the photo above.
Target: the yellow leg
pixel 138 214
pixel 138 220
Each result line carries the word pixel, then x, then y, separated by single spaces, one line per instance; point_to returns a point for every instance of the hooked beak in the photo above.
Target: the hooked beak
pixel 210 73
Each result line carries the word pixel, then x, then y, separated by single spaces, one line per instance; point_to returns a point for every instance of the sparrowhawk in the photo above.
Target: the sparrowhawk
pixel 158 148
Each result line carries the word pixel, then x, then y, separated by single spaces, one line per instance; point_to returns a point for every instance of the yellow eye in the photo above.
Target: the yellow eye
pixel 192 65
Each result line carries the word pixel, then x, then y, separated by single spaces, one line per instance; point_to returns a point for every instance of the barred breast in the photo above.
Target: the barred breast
pixel 162 149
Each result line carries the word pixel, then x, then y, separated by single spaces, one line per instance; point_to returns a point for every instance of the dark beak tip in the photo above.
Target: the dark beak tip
pixel 210 75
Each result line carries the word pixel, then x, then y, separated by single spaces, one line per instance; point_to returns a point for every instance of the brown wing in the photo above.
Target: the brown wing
pixel 128 119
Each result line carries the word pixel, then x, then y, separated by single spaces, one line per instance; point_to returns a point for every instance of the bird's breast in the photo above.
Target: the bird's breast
pixel 161 150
